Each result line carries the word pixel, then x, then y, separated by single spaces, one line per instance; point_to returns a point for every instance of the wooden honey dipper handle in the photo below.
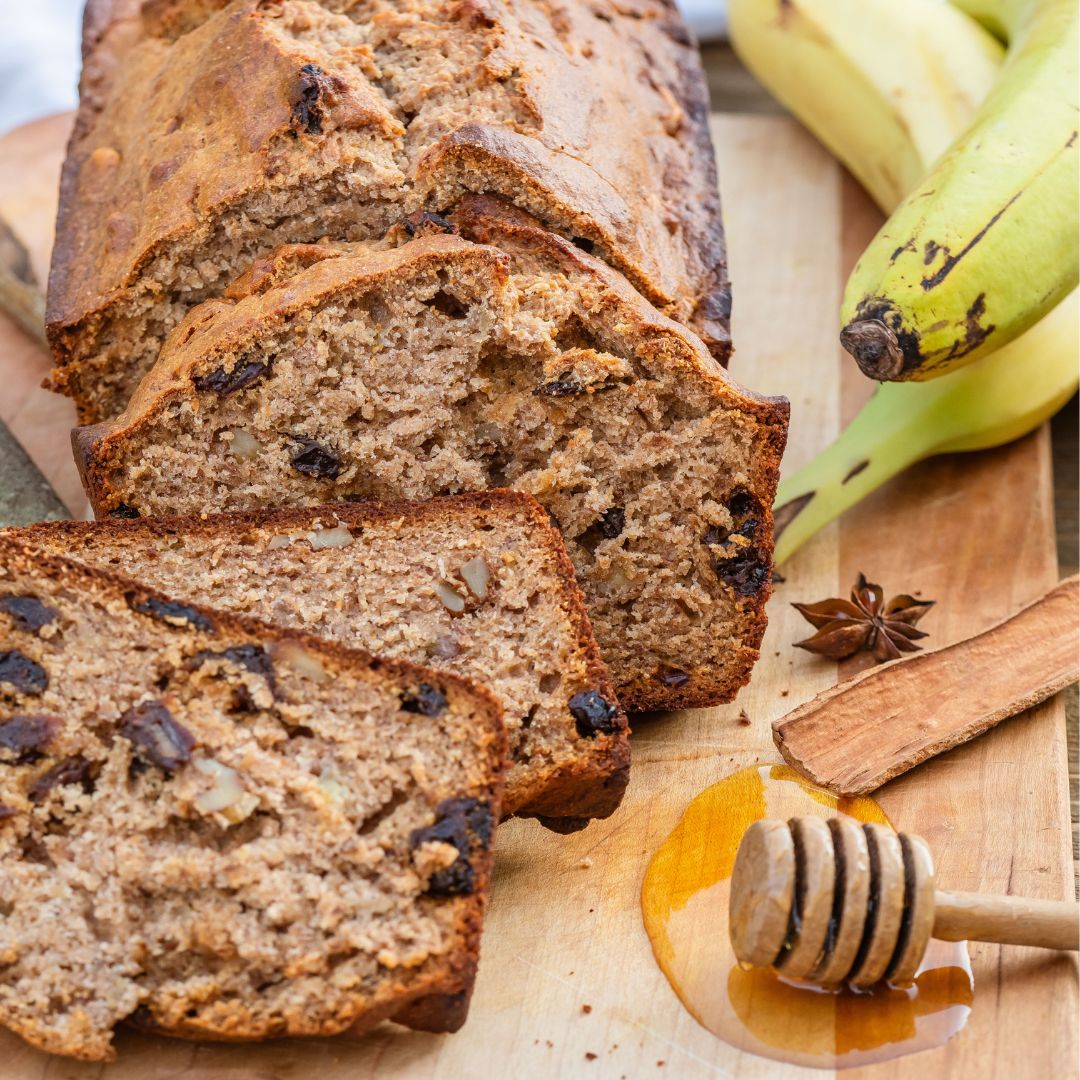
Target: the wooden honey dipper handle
pixel 1008 920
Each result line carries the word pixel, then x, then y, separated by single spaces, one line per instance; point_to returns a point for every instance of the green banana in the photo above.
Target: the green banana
pixel 885 93
pixel 998 399
pixel 986 244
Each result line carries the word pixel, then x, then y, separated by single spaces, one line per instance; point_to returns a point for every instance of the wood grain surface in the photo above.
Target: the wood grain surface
pixel 865 731
pixel 974 532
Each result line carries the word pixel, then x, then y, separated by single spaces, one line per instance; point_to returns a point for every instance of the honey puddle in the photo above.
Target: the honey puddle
pixel 684 901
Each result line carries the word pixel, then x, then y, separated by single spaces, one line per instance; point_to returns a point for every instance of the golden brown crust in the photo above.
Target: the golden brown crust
pixel 590 787
pixel 574 79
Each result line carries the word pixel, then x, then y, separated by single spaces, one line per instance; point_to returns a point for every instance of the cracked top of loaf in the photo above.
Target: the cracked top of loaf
pixel 209 132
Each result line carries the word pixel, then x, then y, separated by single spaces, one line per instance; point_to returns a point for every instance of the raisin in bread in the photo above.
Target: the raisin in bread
pixel 450 364
pixel 477 584
pixel 222 830
pixel 209 133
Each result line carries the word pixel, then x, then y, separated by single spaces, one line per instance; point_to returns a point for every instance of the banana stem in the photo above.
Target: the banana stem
pixel 879 443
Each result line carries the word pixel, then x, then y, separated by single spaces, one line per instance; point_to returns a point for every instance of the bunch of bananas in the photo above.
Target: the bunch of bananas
pixel 971 145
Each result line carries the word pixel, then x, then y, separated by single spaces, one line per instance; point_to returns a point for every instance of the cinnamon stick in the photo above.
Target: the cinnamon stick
pixel 861 733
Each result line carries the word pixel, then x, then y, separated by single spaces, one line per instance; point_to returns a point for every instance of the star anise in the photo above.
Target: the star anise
pixel 865 622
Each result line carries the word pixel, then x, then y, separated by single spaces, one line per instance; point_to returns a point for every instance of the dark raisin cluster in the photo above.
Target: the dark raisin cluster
pixel 158 735
pixel 72 770
pixel 223 383
pixel 748 570
pixel 306 109
pixel 26 736
pixel 466 824
pixel 26 676
pixel 170 611
pixel 746 574
pixel 564 386
pixel 427 700
pixel 593 714
pixel 672 677
pixel 27 612
pixel 253 658
pixel 315 460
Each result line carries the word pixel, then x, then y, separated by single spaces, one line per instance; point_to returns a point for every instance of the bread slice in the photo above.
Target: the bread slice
pixel 208 133
pixel 502 357
pixel 222 830
pixel 477 584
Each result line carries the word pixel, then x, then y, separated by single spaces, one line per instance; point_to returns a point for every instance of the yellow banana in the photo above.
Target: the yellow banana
pixel 885 92
pixel 986 244
pixel 992 401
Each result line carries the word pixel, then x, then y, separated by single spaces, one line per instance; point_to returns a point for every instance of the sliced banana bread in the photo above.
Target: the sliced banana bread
pixel 209 133
pixel 450 364
pixel 477 584
pixel 222 830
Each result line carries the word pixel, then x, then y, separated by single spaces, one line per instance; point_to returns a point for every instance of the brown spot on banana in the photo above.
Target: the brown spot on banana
pixel 784 515
pixel 974 333
pixel 855 470
pixel 950 262
pixel 909 246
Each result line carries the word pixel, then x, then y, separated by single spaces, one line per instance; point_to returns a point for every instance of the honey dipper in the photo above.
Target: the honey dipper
pixel 834 900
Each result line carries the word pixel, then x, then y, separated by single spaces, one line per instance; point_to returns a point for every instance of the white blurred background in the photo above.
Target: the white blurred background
pixel 39 53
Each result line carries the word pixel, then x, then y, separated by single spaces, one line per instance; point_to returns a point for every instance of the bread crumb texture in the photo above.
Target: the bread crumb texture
pixel 221 830
pixel 475 584
pixel 500 357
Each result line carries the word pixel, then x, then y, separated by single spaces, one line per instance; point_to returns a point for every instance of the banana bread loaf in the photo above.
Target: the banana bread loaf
pixel 477 584
pixel 209 133
pixel 450 364
pixel 221 830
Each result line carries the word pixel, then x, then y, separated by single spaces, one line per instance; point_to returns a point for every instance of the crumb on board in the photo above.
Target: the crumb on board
pixel 590 1056
pixel 585 863
pixel 586 1009
pixel 743 718
pixel 784 693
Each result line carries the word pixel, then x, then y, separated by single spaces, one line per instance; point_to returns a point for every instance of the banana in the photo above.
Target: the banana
pixel 993 401
pixel 885 92
pixel 996 399
pixel 1001 17
pixel 986 243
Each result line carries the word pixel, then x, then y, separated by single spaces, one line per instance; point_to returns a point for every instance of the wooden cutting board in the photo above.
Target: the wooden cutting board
pixel 974 532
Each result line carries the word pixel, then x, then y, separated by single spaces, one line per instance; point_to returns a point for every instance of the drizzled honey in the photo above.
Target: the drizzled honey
pixel 685 908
